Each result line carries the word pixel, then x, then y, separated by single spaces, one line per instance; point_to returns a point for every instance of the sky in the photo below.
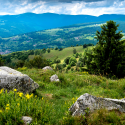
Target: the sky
pixel 69 7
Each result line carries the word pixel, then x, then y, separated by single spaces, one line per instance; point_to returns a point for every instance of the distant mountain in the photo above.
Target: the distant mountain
pixel 11 25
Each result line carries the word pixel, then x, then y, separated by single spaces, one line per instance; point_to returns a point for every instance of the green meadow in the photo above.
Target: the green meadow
pixel 64 53
pixel 49 104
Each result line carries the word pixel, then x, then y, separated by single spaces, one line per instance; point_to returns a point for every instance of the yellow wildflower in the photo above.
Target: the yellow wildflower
pixel 15 90
pixel 18 104
pixel 1 111
pixel 27 96
pixel 31 95
pixel 7 105
pixel 20 94
pixel 7 108
pixel 1 91
pixel 42 98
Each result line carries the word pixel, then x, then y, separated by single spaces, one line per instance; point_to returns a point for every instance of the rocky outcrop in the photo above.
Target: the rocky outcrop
pixel 47 68
pixel 27 120
pixel 54 78
pixel 92 103
pixel 11 79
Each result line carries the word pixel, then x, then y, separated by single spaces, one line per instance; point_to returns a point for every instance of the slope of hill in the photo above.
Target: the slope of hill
pixel 59 37
pixel 11 25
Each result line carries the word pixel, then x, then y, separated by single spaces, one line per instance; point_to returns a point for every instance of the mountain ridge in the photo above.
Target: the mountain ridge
pixel 11 25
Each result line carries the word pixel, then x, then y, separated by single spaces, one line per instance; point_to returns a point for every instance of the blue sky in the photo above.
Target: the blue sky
pixel 70 7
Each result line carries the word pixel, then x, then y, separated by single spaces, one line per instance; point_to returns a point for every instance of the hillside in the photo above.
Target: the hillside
pixel 11 25
pixel 59 37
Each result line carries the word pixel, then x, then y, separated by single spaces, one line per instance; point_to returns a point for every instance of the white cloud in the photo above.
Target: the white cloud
pixel 73 8
pixel 24 3
pixel 5 13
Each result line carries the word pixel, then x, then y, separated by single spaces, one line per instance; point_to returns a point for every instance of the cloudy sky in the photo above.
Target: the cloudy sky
pixel 72 7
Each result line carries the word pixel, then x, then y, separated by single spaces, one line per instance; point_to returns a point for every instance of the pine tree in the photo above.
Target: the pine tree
pixel 108 57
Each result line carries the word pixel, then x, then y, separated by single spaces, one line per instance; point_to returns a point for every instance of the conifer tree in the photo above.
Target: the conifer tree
pixel 108 57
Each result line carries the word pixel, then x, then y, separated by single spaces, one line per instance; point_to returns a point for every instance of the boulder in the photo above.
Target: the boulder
pixel 27 120
pixel 47 68
pixel 54 78
pixel 92 103
pixel 11 79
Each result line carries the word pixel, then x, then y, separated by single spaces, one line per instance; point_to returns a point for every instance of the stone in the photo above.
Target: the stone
pixel 27 120
pixel 11 79
pixel 47 68
pixel 92 103
pixel 54 78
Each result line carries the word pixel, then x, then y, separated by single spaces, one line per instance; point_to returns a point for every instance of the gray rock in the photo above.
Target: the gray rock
pixel 27 120
pixel 11 79
pixel 88 101
pixel 54 78
pixel 47 68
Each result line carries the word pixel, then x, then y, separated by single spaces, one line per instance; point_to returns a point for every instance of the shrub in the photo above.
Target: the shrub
pixel 64 65
pixel 69 66
pixel 59 67
pixel 72 61
pixel 37 62
pixel 67 60
pixel 74 51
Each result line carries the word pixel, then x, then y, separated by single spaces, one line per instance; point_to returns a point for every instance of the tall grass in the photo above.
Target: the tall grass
pixel 51 101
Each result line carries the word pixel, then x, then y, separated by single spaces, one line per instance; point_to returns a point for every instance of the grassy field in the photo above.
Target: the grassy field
pixel 64 53
pixel 50 103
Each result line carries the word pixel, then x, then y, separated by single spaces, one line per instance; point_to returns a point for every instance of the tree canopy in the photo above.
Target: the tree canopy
pixel 108 57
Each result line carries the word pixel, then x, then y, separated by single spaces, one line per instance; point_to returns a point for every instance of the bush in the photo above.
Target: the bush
pixel 64 65
pixel 69 66
pixel 48 50
pixel 56 48
pixel 20 63
pixel 37 62
pixel 74 51
pixel 72 61
pixel 59 67
pixel 67 60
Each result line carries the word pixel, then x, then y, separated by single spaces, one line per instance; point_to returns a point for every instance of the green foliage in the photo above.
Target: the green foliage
pixel 48 50
pixel 76 55
pixel 20 63
pixel 85 45
pixel 74 51
pixel 59 67
pixel 103 116
pixel 44 50
pixel 37 62
pixel 56 48
pixel 72 61
pixel 1 61
pixel 80 64
pixel 108 56
pixel 58 98
pixel 56 60
pixel 64 65
pixel 60 49
pixel 66 60
pixel 69 66
pixel 16 105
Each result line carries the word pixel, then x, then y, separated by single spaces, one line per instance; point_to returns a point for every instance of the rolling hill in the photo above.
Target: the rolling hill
pixel 38 31
pixel 58 37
